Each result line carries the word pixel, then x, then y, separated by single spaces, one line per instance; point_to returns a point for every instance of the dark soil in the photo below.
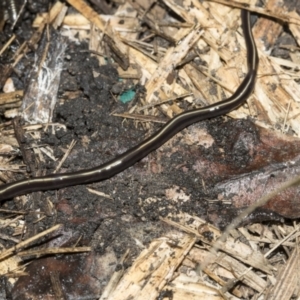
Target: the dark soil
pixel 127 214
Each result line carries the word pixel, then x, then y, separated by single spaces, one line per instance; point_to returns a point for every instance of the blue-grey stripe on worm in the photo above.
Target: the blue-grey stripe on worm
pixel 136 153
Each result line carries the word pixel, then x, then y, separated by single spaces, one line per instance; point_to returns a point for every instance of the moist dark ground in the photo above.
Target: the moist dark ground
pixel 127 215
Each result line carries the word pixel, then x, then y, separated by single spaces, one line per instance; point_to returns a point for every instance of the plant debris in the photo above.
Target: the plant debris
pixel 84 81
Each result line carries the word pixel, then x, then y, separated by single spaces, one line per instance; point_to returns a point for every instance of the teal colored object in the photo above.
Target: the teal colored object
pixel 127 96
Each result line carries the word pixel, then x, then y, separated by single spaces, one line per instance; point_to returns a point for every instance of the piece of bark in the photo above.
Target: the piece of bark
pixel 250 163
